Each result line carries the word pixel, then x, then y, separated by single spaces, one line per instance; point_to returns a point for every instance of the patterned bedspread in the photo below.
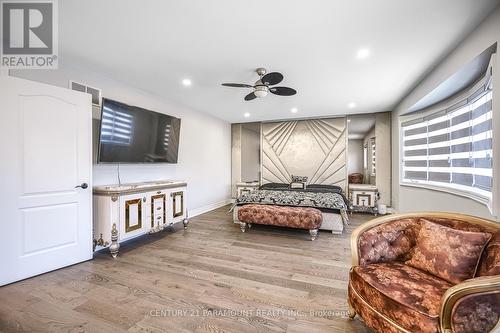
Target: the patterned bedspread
pixel 328 201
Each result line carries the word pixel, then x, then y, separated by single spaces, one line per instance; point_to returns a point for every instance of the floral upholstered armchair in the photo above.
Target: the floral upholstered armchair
pixel 426 272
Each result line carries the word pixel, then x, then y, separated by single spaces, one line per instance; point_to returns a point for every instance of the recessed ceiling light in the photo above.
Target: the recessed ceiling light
pixel 294 110
pixel 246 114
pixel 187 82
pixel 363 53
pixel 351 105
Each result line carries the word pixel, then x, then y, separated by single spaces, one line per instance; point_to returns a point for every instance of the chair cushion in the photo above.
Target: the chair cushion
pixel 489 264
pixel 283 216
pixel 404 294
pixel 451 254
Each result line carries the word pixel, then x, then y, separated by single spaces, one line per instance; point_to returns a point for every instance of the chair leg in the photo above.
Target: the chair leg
pixel 350 311
pixel 313 233
pixel 243 226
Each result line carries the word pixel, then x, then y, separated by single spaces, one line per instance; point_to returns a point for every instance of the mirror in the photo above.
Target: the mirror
pixel 369 152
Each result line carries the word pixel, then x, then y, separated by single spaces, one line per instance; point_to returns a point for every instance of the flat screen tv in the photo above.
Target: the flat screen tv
pixel 129 134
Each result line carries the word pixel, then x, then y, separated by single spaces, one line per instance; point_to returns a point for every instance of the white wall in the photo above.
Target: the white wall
pixel 205 142
pixel 414 199
pixel 355 156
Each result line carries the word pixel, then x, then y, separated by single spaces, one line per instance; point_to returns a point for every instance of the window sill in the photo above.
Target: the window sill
pixel 470 195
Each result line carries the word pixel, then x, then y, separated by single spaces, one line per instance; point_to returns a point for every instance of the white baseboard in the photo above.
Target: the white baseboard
pixel 207 208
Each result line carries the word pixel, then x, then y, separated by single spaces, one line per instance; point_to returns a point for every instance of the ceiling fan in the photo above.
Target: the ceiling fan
pixel 262 86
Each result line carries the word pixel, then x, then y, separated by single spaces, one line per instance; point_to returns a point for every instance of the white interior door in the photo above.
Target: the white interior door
pixel 45 140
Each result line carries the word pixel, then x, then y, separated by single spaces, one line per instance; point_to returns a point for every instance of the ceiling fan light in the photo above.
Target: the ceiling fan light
pixel 260 93
pixel 260 90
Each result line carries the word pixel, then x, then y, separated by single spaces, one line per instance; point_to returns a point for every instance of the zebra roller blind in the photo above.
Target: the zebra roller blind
pixel 452 148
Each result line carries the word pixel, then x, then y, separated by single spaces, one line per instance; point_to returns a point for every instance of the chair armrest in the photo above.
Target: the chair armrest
pixel 387 238
pixel 471 306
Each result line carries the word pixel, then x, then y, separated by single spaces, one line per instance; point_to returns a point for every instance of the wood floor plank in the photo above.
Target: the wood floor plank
pixel 210 278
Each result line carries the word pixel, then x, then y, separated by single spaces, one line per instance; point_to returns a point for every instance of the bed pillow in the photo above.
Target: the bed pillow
pixel 333 188
pixel 450 254
pixel 298 185
pixel 273 186
pixel 298 182
pixel 299 179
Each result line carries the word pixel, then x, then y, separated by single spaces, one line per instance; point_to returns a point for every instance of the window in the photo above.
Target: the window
pixel 452 148
pixel 116 126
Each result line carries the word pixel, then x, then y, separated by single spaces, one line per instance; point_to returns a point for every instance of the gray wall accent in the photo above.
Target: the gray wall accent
pixel 459 81
pixel 314 148
pixel 245 154
pixel 383 156
pixel 235 158
pixel 250 152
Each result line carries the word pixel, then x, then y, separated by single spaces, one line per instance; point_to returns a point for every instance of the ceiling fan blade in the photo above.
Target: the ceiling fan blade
pixel 237 85
pixel 272 78
pixel 250 96
pixel 283 91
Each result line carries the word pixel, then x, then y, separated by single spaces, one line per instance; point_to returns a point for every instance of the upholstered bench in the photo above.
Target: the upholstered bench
pixel 283 216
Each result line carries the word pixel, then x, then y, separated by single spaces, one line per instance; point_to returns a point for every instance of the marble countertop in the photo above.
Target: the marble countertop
pixel 118 189
pixel 250 184
pixel 362 187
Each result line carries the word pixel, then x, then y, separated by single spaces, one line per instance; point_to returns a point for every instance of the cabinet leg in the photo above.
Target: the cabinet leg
pixel 185 222
pixel 115 246
pixel 243 226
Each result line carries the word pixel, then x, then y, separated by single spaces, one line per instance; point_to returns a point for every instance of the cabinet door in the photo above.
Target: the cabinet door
pixel 132 215
pixel 177 211
pixel 158 211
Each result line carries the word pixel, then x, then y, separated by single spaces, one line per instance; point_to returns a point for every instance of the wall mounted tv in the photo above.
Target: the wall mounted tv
pixel 129 134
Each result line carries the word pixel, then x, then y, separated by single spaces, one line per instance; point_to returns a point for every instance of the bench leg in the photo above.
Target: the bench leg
pixel 313 233
pixel 243 226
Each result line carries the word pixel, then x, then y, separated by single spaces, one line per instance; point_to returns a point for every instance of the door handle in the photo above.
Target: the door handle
pixel 83 185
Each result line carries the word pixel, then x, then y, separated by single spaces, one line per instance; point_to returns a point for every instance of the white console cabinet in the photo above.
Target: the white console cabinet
pixel 246 187
pixel 122 212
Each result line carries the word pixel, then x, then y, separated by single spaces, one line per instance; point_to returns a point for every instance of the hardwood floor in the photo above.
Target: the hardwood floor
pixel 211 278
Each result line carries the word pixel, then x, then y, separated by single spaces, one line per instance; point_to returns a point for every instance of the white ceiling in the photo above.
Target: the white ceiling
pixel 360 125
pixel 154 45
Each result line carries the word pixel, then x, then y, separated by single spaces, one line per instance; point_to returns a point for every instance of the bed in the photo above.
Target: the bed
pixel 329 199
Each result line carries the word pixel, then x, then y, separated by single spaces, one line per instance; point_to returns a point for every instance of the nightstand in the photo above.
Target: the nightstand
pixel 246 187
pixel 363 198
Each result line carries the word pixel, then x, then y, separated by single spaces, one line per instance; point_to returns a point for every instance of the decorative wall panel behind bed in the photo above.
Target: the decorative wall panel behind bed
pixel 314 148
